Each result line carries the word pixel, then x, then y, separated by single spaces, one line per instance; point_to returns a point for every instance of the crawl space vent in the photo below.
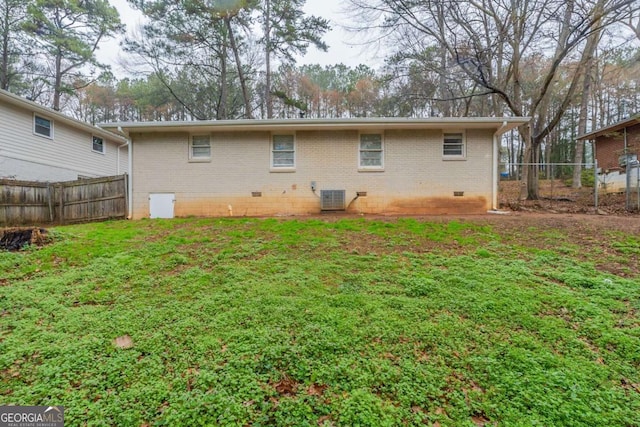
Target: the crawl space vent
pixel 332 200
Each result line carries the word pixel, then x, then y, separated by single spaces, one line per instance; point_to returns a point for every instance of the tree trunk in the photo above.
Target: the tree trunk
pixel 582 127
pixel 222 113
pixel 444 106
pixel 241 77
pixel 267 59
pixel 57 86
pixel 588 54
pixel 4 68
pixel 532 170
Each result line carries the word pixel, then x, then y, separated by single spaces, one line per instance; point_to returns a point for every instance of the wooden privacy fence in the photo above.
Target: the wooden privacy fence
pixel 95 199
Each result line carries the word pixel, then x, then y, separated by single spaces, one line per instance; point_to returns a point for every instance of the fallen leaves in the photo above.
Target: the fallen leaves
pixel 286 386
pixel 316 389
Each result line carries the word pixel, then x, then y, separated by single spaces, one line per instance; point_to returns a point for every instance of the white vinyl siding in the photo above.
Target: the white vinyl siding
pixel 42 126
pixel 371 152
pixel 70 156
pixel 283 152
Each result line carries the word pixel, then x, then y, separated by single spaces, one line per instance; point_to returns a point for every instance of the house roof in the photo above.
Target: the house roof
pixel 500 125
pixel 18 101
pixel 631 121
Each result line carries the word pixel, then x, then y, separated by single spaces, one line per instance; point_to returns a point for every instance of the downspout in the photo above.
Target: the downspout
pixel 627 171
pixel 494 169
pixel 129 170
pixel 118 157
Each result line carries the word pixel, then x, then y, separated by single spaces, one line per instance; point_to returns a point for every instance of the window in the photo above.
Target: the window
pixel 371 151
pixel 97 145
pixel 453 145
pixel 200 148
pixel 42 126
pixel 283 151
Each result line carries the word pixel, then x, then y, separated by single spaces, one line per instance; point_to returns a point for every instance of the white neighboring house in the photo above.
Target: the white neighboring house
pixel 40 144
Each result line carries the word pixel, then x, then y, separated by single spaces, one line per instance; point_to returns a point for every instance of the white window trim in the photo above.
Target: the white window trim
pixel 193 159
pixel 371 168
pixel 34 126
pixel 104 145
pixel 462 156
pixel 272 167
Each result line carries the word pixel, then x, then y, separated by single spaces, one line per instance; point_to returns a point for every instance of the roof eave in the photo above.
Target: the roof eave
pixel 611 129
pixel 504 124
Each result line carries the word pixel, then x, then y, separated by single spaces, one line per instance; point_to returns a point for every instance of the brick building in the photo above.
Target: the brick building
pixel 615 146
pixel 305 166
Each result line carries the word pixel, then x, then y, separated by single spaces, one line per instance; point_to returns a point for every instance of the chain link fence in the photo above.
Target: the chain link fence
pixel 617 191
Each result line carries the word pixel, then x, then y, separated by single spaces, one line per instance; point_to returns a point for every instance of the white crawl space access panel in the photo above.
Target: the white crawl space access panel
pixel 161 205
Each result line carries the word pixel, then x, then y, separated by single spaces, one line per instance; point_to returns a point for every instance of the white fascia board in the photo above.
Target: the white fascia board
pixel 319 124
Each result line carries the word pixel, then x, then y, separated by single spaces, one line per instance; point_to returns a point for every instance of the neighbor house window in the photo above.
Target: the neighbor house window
pixel 200 147
pixel 283 151
pixel 371 151
pixel 453 145
pixel 42 126
pixel 97 144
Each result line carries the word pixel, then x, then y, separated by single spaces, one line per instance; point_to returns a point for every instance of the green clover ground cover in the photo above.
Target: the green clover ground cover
pixel 309 322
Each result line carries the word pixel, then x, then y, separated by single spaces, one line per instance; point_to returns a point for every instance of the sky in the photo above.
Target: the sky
pixel 340 51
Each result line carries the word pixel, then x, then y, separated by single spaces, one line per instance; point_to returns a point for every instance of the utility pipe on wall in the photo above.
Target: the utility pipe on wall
pixel 494 169
pixel 129 175
pixel 627 161
pixel 118 156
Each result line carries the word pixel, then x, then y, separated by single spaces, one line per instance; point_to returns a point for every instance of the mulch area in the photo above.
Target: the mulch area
pixel 14 239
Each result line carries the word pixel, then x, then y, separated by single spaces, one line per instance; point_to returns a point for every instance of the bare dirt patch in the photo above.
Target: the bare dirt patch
pixel 594 237
pixel 557 197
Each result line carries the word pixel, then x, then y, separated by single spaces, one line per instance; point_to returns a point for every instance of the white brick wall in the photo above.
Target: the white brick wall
pixel 415 179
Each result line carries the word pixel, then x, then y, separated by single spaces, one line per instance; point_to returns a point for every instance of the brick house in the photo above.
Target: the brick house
pixel 40 144
pixel 616 148
pixel 306 166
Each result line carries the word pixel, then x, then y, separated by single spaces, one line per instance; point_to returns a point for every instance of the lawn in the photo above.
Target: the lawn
pixel 326 321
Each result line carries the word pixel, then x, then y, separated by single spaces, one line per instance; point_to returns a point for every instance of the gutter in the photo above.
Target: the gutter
pixel 494 168
pixel 129 170
pixel 270 125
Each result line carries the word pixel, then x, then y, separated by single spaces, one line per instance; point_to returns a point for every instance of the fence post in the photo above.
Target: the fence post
pixel 552 182
pixel 60 188
pixel 627 193
pixel 595 182
pixel 125 181
pixel 49 201
pixel 638 183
